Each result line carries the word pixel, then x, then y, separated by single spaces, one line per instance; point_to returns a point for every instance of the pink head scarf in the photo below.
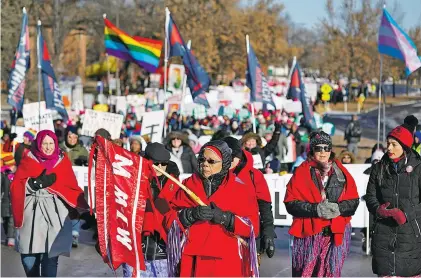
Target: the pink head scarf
pixel 48 161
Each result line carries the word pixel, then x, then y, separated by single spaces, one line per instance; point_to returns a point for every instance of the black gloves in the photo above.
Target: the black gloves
pixel 210 213
pixel 90 221
pixel 42 181
pixel 13 136
pixel 81 161
pixel 189 216
pixel 268 244
pixel 224 218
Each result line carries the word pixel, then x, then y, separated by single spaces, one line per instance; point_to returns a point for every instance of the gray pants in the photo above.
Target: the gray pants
pixel 353 148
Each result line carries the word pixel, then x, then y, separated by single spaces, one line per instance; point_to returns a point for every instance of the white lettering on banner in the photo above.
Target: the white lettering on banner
pixel 122 217
pixel 118 166
pixel 120 196
pixel 124 238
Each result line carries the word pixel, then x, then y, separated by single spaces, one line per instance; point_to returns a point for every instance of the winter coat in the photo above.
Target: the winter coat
pixel 246 173
pixel 42 216
pixel 187 158
pixel 396 249
pixel 75 153
pixel 282 148
pixel 212 241
pixel 353 132
pixel 262 151
pixel 303 195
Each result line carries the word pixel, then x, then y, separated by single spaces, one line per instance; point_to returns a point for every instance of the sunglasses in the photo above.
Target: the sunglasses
pixel 202 159
pixel 160 163
pixel 319 149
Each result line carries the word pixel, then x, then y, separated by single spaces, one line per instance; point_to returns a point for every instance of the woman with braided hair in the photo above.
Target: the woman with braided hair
pixel 216 234
pixel 321 196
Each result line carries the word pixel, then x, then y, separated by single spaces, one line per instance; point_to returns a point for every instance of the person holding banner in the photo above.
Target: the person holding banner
pixel 393 197
pixel 218 221
pixel 242 167
pixel 322 197
pixel 44 195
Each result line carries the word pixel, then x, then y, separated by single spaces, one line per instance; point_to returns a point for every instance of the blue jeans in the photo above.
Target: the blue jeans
pixel 39 265
pixel 75 227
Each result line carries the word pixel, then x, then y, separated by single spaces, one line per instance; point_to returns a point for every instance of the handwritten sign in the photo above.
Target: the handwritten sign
pixel 95 120
pixel 32 116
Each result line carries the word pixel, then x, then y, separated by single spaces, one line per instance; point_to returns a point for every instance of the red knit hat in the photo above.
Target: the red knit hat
pixel 405 133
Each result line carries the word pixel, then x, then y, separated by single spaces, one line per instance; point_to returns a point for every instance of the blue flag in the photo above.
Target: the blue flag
pixel 197 78
pixel 256 81
pixel 52 94
pixel 21 63
pixel 308 113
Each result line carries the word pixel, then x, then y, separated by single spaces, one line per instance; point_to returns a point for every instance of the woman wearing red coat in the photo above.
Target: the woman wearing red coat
pixel 216 235
pixel 43 192
pixel 322 197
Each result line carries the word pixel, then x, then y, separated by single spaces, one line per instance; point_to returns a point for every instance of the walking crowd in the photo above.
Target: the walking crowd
pixel 43 206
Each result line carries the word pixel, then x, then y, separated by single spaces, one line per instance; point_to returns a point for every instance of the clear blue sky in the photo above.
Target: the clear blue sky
pixel 309 12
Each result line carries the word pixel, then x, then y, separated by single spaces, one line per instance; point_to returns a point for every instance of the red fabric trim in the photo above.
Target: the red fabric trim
pixel 302 188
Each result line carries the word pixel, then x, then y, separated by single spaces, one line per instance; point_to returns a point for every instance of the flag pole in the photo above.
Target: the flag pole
pixel 380 100
pixel 39 73
pixel 183 94
pixel 108 74
pixel 253 120
pixel 167 18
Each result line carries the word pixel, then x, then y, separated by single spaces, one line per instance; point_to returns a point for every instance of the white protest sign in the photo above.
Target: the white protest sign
pixel 121 104
pixel 257 161
pixel 175 80
pixel 94 120
pixel 88 100
pixel 293 106
pixel 153 125
pixel 291 156
pixel 311 89
pixel 31 116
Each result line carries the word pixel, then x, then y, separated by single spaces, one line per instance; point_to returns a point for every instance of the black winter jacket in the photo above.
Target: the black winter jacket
pixel 334 188
pixel 396 249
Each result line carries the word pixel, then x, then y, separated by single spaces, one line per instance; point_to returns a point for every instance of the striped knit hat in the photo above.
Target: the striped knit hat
pixel 30 134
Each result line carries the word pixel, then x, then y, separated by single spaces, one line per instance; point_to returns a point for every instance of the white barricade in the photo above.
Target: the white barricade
pixel 277 186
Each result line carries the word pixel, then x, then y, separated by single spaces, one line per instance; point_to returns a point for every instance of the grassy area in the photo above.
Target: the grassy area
pixel 368 104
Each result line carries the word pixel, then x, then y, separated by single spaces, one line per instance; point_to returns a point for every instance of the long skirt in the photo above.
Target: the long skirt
pixel 318 256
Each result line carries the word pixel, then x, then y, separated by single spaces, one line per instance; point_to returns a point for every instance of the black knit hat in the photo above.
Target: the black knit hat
pixel 410 123
pixel 320 138
pixel 157 152
pixel 235 146
pixel 103 133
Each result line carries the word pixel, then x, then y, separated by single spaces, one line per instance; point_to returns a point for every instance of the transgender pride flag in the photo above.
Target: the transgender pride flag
pixel 393 41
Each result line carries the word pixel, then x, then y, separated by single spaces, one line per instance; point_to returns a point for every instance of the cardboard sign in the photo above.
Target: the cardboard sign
pixel 153 125
pixel 94 120
pixel 31 116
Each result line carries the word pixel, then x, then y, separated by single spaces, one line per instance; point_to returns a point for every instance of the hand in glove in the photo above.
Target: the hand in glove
pixel 189 216
pixel 90 221
pixel 328 210
pixel 42 181
pixel 278 127
pixel 395 213
pixel 267 244
pixel 224 218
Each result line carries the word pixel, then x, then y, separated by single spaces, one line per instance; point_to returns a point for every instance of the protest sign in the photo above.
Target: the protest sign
pixel 153 125
pixel 94 120
pixel 293 106
pixel 19 130
pixel 88 100
pixel 31 116
pixel 175 80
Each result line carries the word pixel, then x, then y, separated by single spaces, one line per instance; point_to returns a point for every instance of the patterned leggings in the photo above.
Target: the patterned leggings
pixel 318 256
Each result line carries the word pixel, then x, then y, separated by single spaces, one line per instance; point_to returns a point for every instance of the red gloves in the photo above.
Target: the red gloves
pixel 395 213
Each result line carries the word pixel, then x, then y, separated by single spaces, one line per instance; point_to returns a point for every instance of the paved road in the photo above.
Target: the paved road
pixel 394 117
pixel 84 260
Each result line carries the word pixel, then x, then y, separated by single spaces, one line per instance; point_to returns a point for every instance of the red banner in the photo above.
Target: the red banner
pixel 121 190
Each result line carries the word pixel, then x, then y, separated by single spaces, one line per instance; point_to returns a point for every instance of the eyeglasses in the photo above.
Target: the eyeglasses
pixel 319 149
pixel 160 163
pixel 202 159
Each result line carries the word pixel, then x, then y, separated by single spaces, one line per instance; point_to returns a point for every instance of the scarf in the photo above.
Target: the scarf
pixel 322 170
pixel 47 161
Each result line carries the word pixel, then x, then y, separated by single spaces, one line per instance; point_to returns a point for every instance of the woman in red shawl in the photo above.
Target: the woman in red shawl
pixel 215 235
pixel 322 197
pixel 43 193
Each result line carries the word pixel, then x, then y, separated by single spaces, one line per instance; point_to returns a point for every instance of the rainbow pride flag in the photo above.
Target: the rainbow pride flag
pixel 141 51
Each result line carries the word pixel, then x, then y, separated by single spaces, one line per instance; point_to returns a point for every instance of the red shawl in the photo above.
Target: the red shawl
pixel 65 187
pixel 302 188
